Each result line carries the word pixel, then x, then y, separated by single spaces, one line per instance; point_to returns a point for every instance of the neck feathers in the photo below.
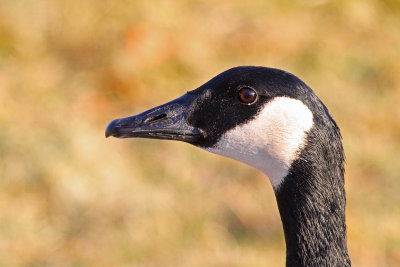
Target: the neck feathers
pixel 311 201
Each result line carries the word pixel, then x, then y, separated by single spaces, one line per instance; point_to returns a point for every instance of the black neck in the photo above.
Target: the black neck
pixel 311 203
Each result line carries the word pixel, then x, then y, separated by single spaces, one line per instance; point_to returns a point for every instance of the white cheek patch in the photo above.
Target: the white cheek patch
pixel 272 140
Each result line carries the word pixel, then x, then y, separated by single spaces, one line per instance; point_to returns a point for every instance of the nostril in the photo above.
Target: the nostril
pixel 156 118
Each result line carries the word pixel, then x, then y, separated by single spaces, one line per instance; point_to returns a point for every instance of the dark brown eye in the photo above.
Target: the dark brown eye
pixel 247 95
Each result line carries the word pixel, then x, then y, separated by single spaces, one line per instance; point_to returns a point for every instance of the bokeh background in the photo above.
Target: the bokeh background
pixel 70 197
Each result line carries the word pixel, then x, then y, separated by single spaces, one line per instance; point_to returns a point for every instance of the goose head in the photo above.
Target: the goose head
pixel 259 116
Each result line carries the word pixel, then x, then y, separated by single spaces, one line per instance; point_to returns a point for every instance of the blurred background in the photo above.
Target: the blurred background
pixel 70 197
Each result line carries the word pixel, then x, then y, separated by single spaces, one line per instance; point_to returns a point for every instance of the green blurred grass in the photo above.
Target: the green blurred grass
pixel 70 197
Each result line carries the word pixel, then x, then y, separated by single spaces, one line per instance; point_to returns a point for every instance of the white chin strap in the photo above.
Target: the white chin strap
pixel 272 140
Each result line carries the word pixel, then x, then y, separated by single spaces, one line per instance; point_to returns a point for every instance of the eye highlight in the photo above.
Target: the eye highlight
pixel 247 95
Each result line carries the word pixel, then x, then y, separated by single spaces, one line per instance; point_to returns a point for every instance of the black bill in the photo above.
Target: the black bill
pixel 168 121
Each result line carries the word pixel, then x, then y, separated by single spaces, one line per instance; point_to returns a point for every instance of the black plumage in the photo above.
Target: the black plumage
pixel 311 197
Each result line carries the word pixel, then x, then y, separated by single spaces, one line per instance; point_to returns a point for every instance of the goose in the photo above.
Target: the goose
pixel 271 120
